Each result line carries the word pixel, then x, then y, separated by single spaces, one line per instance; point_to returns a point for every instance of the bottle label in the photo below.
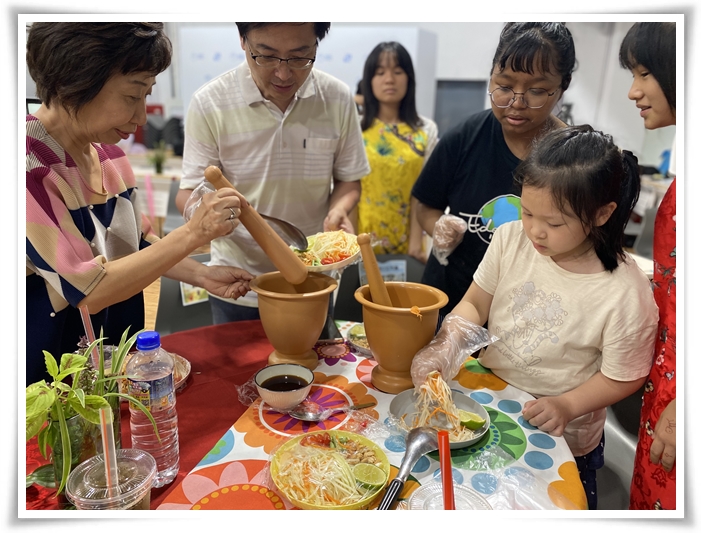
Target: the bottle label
pixel 156 395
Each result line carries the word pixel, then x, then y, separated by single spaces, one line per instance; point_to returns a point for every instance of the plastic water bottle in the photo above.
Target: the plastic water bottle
pixel 150 380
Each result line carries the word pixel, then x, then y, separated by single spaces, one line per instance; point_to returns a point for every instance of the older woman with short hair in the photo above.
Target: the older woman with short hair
pixel 87 242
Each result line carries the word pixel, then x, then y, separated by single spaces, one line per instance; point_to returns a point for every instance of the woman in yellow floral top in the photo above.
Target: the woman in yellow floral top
pixel 398 141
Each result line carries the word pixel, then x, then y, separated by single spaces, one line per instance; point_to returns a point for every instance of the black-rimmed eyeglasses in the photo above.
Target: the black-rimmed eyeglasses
pixel 296 63
pixel 533 98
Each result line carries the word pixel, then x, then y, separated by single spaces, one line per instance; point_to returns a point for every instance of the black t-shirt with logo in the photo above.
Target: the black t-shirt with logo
pixel 471 172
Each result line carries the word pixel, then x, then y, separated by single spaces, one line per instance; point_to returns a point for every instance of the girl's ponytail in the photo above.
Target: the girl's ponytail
pixel 609 244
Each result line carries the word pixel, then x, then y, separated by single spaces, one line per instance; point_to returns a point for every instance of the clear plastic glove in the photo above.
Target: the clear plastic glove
pixel 447 234
pixel 457 339
pixel 195 201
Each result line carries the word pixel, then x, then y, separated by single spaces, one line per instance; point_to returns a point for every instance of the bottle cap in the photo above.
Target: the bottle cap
pixel 148 340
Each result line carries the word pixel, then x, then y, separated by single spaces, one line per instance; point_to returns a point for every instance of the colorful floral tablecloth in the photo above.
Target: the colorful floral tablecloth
pixel 541 472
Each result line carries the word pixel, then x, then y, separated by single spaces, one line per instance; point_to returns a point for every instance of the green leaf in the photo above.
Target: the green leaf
pixel 78 394
pixel 88 413
pixel 89 408
pixel 43 476
pixel 73 361
pixel 140 406
pixel 96 402
pixel 35 423
pixel 39 399
pixel 60 377
pixel 111 381
pixel 38 386
pixel 43 439
pixel 123 349
pixel 66 443
pixel 51 365
pixel 62 387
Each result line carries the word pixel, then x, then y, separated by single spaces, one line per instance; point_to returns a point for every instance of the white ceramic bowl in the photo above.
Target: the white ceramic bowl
pixel 283 399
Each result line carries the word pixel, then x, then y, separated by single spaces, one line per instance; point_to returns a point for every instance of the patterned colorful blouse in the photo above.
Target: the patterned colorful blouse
pixel 396 154
pixel 72 231
pixel 652 487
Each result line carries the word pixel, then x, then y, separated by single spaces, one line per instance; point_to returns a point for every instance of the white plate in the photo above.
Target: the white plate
pixel 405 404
pixel 335 266
pixel 430 496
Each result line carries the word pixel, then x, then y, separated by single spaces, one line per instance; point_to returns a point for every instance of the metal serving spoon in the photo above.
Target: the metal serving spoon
pixel 419 441
pixel 289 233
pixel 313 413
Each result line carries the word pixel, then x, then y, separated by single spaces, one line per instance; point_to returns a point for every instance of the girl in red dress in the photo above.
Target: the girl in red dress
pixel 649 52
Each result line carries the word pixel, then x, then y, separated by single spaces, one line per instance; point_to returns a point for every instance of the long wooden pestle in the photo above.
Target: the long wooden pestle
pixel 282 256
pixel 378 290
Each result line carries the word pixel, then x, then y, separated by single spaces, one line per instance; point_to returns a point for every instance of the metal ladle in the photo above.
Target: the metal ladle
pixel 290 233
pixel 419 441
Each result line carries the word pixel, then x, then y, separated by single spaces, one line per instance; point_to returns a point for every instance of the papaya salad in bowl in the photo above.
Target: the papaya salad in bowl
pixel 329 250
pixel 331 469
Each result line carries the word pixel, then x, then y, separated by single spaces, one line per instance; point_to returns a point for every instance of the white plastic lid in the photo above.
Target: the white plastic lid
pixel 87 487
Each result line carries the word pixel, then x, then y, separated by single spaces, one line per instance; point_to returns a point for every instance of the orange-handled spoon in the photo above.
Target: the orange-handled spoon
pixel 378 290
pixel 282 256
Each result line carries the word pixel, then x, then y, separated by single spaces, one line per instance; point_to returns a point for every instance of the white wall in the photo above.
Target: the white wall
pixel 205 51
pixel 462 51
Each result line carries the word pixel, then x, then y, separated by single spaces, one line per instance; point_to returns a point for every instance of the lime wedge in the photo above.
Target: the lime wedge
pixel 470 420
pixel 369 475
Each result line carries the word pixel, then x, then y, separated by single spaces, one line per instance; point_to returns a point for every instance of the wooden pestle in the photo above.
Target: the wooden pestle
pixel 282 256
pixel 378 290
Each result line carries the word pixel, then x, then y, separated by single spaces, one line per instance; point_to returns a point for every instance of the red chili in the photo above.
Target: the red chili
pixel 322 440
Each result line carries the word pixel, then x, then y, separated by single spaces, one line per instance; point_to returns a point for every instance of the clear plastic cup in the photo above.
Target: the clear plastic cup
pixel 430 497
pixel 87 488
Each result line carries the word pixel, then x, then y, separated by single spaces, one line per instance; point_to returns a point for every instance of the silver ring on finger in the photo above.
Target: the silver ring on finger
pixel 233 213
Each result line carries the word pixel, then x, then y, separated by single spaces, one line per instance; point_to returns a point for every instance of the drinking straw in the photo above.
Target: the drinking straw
pixel 87 324
pixel 446 470
pixel 149 198
pixel 109 449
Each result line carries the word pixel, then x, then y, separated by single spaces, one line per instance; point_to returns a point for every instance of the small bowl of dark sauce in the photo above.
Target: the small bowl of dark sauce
pixel 284 386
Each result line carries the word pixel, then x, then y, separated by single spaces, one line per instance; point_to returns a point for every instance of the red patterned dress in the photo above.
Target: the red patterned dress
pixel 652 487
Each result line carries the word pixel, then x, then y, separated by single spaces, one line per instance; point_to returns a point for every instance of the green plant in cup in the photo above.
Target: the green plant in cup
pixel 88 391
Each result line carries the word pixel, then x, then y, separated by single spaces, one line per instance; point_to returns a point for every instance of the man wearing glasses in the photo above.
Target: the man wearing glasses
pixel 286 135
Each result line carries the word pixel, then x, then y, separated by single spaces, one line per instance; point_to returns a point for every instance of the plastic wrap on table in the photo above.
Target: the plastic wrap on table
pixel 514 486
pixel 248 393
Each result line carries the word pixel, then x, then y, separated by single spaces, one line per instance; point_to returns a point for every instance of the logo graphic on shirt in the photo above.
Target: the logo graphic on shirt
pixel 534 314
pixel 497 211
